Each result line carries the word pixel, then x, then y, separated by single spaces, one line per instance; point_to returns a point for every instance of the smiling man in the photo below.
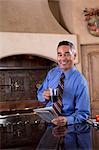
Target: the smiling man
pixel 75 107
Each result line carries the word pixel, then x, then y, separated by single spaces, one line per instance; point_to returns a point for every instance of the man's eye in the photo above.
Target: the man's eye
pixel 67 54
pixel 59 55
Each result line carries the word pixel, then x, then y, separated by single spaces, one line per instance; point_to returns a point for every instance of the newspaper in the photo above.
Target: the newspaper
pixel 46 113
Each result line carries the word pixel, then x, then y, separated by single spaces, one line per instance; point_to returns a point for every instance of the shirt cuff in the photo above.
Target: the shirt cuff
pixel 70 120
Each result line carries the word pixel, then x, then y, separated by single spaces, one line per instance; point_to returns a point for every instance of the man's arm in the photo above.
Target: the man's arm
pixel 43 93
pixel 41 89
pixel 82 105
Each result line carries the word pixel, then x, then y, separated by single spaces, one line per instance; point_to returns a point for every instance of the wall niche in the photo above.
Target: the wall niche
pixel 21 75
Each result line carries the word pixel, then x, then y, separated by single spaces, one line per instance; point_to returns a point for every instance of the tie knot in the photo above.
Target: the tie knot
pixel 62 77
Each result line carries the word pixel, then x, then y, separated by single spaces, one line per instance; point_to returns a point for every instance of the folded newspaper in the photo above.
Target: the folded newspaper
pixel 46 113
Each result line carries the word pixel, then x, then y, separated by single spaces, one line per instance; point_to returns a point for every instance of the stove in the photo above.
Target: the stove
pixel 20 128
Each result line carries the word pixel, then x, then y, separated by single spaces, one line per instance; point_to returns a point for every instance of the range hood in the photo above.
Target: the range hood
pixel 33 16
pixel 29 27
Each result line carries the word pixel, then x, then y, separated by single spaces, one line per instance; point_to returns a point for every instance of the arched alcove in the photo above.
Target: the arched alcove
pixel 20 76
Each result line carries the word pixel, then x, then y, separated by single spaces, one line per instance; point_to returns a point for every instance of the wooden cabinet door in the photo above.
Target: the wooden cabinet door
pixel 90 66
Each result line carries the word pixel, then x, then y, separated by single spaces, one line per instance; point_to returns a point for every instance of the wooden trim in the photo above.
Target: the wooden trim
pixel 20 105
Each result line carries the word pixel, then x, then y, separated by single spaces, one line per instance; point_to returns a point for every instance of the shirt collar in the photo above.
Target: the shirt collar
pixel 69 73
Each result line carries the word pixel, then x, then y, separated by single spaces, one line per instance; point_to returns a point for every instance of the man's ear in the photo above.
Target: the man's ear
pixel 75 56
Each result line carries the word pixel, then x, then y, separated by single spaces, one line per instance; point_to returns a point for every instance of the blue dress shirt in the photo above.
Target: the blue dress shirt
pixel 76 103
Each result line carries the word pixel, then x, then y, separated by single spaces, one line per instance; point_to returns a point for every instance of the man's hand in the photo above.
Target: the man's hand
pixel 60 121
pixel 46 94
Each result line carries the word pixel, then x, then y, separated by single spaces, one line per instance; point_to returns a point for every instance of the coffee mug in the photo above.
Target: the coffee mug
pixel 53 94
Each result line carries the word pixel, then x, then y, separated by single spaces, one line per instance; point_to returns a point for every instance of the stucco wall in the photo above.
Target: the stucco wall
pixel 28 16
pixel 21 19
pixel 72 13
pixel 44 45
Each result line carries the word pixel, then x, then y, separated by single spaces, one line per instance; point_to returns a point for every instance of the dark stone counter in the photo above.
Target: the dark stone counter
pixel 49 137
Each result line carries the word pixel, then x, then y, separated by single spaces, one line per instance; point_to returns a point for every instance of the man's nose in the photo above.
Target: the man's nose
pixel 64 57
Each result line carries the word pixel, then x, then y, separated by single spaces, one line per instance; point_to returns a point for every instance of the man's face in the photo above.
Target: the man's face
pixel 65 57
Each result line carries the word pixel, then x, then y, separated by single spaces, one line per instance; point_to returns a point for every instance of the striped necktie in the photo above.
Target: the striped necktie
pixel 57 106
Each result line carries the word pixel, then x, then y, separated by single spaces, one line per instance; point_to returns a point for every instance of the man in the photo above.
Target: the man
pixel 75 98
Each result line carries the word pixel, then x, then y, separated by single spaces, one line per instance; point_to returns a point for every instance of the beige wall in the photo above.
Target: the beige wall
pixel 28 16
pixel 32 43
pixel 21 21
pixel 35 17
pixel 72 13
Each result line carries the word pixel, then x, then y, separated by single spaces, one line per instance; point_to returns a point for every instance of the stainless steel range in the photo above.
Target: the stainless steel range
pixel 20 76
pixel 20 128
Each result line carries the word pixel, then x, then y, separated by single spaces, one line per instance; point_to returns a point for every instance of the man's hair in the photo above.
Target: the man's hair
pixel 72 47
